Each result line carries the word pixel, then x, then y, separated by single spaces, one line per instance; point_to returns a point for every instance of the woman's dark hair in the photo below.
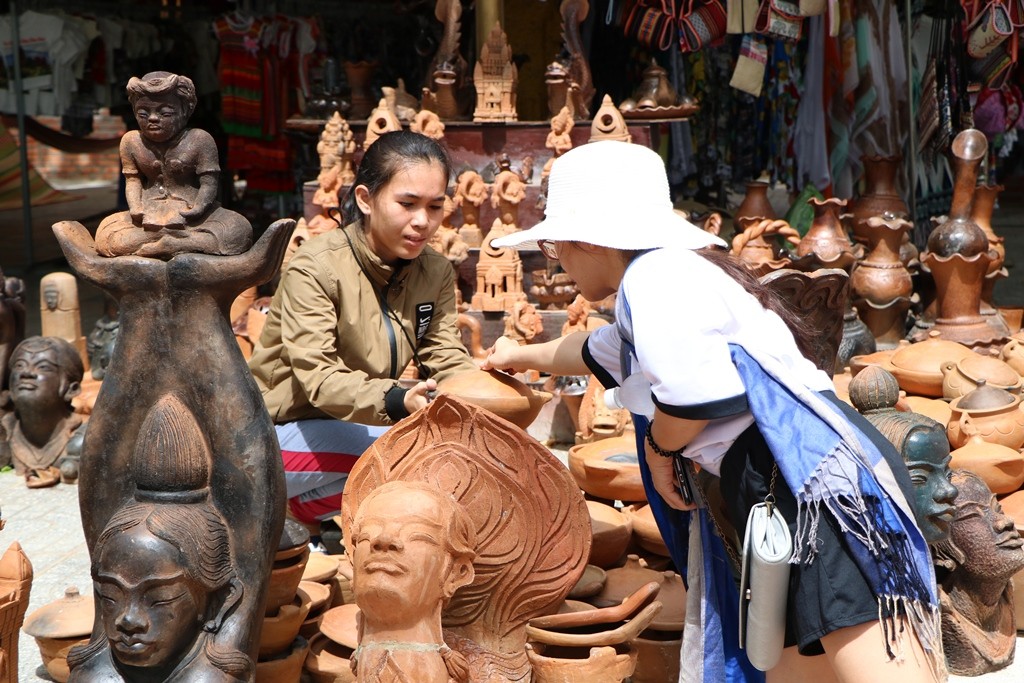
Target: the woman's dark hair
pixel 388 155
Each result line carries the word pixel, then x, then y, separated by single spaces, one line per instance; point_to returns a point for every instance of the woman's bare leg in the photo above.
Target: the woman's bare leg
pixel 795 667
pixel 858 655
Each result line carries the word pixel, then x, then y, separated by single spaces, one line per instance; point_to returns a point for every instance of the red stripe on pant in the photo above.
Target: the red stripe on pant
pixel 313 510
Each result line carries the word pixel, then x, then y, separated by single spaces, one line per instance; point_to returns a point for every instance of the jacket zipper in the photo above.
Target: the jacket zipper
pixel 392 341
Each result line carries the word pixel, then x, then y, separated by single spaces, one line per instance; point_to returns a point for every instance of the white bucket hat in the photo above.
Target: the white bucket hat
pixel 612 194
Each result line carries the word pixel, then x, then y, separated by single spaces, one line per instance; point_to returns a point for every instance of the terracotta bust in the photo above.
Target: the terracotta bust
pixel 171 180
pixel 974 567
pixel 412 547
pixel 46 373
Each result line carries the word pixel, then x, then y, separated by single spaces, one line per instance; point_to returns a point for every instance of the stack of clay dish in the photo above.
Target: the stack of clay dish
pixel 498 393
pixel 611 532
pixel 962 376
pixel 1000 467
pixel 645 529
pixel 289 564
pixel 935 408
pixel 60 626
pixel 319 595
pixel 608 469
pixel 323 569
pixel 341 583
pixel 285 667
pixel 281 629
pixel 918 367
pixel 590 583
pixel 990 413
pixel 331 650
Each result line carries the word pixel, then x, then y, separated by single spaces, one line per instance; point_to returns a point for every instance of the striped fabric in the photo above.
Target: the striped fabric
pixel 40 191
pixel 240 73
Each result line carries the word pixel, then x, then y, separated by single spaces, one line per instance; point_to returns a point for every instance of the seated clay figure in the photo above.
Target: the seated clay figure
pixel 412 548
pixel 974 568
pixel 46 373
pixel 171 180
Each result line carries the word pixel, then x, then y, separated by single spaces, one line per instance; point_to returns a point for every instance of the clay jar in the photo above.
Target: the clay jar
pixel 992 414
pixel 611 532
pixel 755 205
pixel 645 529
pixel 826 239
pixel 554 664
pixel 608 469
pixel 60 626
pixel 961 377
pixel 497 392
pixel 1002 468
pixel 918 366
pixel 879 196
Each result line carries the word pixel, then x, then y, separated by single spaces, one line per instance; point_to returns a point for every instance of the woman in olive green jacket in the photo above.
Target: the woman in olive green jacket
pixel 353 308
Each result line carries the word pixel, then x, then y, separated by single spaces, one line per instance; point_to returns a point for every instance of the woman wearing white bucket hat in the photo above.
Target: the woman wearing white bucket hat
pixel 709 363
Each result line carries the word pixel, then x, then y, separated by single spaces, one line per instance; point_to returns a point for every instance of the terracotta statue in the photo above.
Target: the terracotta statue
pixel 171 180
pixel 506 194
pixel 609 124
pixel 46 373
pixel 581 90
pixel 499 278
pixel 974 568
pixel 523 323
pixel 578 318
pixel 470 194
pixel 530 520
pixel 921 441
pixel 595 419
pixel 446 240
pixel 496 79
pixel 15 587
pixel 178 393
pixel 59 311
pixel 412 548
pixel 381 120
pixel 12 325
pixel 448 70
pixel 400 102
pixel 428 123
pixel 330 148
pixel 559 141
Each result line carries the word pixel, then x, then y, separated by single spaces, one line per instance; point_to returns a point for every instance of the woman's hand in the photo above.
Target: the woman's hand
pixel 664 478
pixel 417 398
pixel 504 356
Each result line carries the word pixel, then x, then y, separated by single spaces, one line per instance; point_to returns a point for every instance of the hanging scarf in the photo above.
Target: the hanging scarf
pixel 825 462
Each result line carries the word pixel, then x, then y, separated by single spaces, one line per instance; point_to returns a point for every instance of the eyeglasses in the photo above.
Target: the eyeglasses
pixel 547 247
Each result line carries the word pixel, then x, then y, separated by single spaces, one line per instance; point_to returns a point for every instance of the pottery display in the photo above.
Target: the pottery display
pixel 918 366
pixel 59 626
pixel 645 529
pixel 882 285
pixel 553 664
pixel 990 413
pixel 611 531
pixel 961 377
pixel 880 196
pixel 358 76
pixel 498 393
pixel 608 469
pixel 1001 467
pixel 756 247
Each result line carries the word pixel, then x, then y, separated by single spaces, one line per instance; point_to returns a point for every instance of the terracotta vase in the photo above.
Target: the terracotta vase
pixel 608 469
pixel 880 196
pixel 881 276
pixel 981 213
pixel 1002 468
pixel 826 239
pixel 611 532
pixel 755 205
pixel 359 75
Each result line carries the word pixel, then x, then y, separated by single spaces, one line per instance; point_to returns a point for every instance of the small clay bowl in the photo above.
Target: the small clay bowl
pixel 286 666
pixel 284 581
pixel 340 625
pixel 608 469
pixel 318 593
pixel 320 568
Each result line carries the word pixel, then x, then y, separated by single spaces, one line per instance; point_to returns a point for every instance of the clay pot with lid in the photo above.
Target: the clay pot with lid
pixel 918 366
pixel 608 469
pixel 962 376
pixel 611 531
pixel 1002 468
pixel 621 582
pixel 60 626
pixel 497 392
pixel 992 414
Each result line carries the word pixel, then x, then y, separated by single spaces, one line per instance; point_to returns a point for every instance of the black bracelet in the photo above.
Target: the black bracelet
pixel 658 449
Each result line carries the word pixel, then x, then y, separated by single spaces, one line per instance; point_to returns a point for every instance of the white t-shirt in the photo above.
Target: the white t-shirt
pixel 685 312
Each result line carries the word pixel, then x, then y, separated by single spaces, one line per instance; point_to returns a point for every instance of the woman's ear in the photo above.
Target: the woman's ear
pixel 362 195
pixel 233 594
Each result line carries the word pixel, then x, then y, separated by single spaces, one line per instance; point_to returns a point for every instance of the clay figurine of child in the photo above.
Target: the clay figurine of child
pixel 171 180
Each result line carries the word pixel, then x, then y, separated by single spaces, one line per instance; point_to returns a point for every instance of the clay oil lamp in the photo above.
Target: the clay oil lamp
pixel 962 376
pixel 992 414
pixel 60 626
pixel 497 392
pixel 285 667
pixel 611 531
pixel 918 367
pixel 608 664
pixel 1002 468
pixel 645 529
pixel 280 630
pixel 319 596
pixel 608 469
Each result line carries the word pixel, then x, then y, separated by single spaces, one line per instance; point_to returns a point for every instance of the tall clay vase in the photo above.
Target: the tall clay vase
pixel 881 284
pixel 880 195
pixel 359 75
pixel 958 253
pixel 826 244
pixel 981 213
pixel 755 206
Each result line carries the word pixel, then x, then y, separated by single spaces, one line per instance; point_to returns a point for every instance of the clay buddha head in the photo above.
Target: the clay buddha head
pixel 46 373
pixel 163 103
pixel 51 296
pixel 412 547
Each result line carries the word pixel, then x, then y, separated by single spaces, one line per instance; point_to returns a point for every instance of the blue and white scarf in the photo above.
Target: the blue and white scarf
pixel 826 462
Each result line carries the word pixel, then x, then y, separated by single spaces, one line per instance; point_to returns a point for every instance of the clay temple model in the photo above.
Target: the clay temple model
pixel 181 485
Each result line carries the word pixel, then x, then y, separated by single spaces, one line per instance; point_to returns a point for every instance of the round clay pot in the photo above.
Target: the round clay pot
pixel 286 667
pixel 608 469
pixel 1000 467
pixel 918 367
pixel 329 662
pixel 657 656
pixel 621 582
pixel 645 529
pixel 673 599
pixel 280 630
pixel 611 532
pixel 992 414
pixel 589 584
pixel 60 625
pixel 320 568
pixel 340 625
pixel 284 581
pixel 960 377
pixel 497 392
pixel 935 408
pixel 54 652
pixel 880 195
pixel 553 664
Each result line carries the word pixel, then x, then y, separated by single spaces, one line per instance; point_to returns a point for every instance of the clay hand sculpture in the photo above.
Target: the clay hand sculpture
pixel 412 547
pixel 170 180
pixel 46 373
pixel 974 568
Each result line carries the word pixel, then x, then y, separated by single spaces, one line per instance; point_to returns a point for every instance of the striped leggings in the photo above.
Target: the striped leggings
pixel 317 456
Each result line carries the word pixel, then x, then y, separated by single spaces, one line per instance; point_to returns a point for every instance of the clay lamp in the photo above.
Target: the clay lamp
pixel 645 529
pixel 918 367
pixel 962 376
pixel 498 393
pixel 610 531
pixel 989 413
pixel 1002 468
pixel 331 650
pixel 60 626
pixel 604 626
pixel 608 469
pixel 319 595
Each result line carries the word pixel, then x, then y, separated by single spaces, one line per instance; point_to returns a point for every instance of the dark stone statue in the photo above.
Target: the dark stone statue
pixel 181 484
pixel 974 567
pixel 100 342
pixel 920 440
pixel 12 325
pixel 46 373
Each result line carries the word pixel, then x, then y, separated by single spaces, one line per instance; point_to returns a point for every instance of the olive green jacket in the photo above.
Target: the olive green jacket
pixel 329 350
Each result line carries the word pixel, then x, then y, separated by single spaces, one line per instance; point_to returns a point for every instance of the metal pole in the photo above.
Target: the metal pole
pixel 912 128
pixel 19 96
